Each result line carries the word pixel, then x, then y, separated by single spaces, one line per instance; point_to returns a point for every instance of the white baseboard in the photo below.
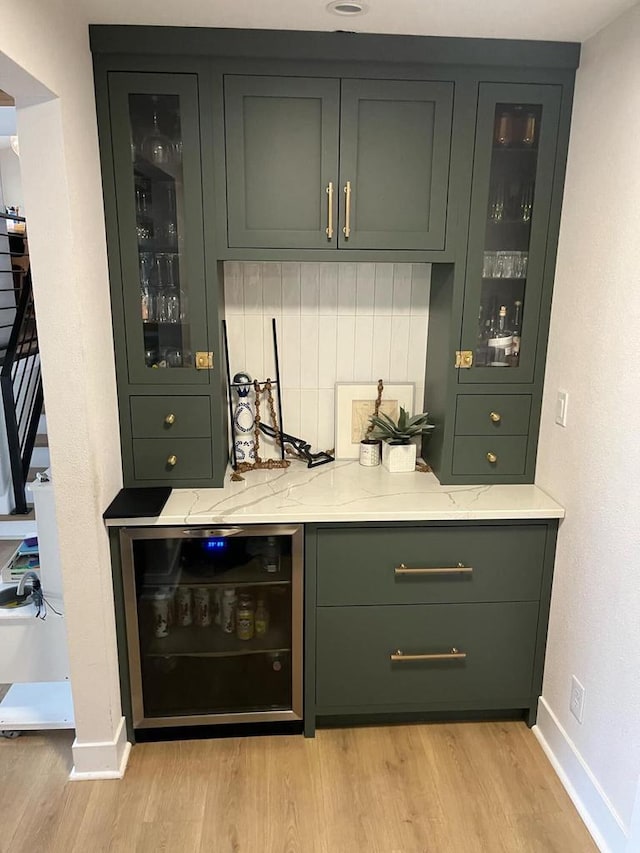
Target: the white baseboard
pixel 106 760
pixel 595 809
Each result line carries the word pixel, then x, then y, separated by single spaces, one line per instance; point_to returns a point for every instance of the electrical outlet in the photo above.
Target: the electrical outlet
pixel 562 403
pixel 576 702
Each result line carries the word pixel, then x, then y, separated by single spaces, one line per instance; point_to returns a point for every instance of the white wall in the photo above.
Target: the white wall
pixel 344 322
pixel 44 45
pixel 592 466
pixel 10 179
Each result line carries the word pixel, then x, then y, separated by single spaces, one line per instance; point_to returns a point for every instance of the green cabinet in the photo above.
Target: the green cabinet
pixel 270 146
pixel 164 286
pixel 489 313
pixel 328 163
pixel 282 153
pixel 513 173
pixel 431 618
pixel 449 654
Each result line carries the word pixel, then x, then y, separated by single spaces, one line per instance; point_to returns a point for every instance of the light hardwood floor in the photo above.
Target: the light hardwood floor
pixel 445 788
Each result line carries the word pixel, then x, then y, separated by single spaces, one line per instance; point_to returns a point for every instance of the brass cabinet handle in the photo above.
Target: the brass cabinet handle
pixel 496 417
pixel 329 228
pixel 170 419
pixel 454 654
pixel 491 457
pixel 171 460
pixel 460 569
pixel 347 210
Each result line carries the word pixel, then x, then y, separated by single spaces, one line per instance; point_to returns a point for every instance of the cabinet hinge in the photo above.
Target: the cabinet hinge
pixel 204 361
pixel 464 358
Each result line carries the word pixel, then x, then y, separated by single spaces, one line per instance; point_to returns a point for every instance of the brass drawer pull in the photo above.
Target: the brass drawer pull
pixel 170 419
pixel 171 460
pixel 329 228
pixel 460 569
pixel 496 417
pixel 491 457
pixel 347 210
pixel 454 654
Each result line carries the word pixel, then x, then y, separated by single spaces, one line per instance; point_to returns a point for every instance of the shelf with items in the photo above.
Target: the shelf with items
pixel 211 641
pixel 251 573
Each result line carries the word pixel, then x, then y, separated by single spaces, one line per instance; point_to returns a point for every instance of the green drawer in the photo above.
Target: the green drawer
pixel 471 455
pixel 357 565
pixel 177 417
pixel 193 458
pixel 355 673
pixel 493 414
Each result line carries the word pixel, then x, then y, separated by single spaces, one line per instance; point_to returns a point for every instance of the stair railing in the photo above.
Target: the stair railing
pixel 20 375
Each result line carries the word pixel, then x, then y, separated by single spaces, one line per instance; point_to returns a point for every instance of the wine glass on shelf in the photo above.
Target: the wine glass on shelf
pixel 526 202
pixel 156 146
pixel 496 206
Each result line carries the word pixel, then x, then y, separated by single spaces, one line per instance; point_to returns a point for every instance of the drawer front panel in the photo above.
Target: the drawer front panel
pixel 170 417
pixel 472 455
pixel 354 645
pixel 493 414
pixel 357 565
pixel 192 458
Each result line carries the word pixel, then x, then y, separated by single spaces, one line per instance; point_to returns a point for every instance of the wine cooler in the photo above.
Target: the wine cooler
pixel 214 623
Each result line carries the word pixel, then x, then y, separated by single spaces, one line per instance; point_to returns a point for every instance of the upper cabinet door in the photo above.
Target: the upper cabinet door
pixel 513 173
pixel 282 162
pixel 394 163
pixel 158 183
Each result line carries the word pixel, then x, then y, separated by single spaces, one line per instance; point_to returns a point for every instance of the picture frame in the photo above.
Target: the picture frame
pixel 355 402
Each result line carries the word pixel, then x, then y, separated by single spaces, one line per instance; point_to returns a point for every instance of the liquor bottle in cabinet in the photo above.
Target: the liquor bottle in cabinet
pixel 214 634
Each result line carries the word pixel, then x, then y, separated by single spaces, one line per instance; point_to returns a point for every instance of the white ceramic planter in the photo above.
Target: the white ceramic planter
pixel 399 458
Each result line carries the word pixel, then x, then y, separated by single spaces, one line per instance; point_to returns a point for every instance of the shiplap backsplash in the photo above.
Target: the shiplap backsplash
pixel 336 322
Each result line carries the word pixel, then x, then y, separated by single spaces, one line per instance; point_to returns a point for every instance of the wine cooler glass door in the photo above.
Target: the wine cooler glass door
pixel 156 149
pixel 214 624
pixel 512 184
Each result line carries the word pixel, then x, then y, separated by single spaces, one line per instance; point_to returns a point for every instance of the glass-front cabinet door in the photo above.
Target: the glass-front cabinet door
pixel 515 152
pixel 214 624
pixel 156 151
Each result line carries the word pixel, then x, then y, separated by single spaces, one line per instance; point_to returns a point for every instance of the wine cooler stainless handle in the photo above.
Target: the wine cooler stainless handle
pixel 399 656
pixel 212 531
pixel 460 569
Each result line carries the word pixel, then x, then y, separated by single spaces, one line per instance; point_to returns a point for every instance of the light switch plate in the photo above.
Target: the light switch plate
pixel 562 402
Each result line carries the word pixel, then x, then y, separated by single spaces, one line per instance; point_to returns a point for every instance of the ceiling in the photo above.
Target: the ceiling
pixel 555 20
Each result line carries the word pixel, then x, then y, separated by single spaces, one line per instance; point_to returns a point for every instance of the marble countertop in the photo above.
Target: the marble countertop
pixel 346 491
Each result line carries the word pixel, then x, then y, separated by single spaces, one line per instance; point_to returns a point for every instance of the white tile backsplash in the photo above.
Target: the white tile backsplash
pixel 402 289
pixel 365 287
pixel 252 285
pixel 346 289
pixel 290 288
pixel 271 289
pixel 327 351
pixel 335 322
pixel 309 289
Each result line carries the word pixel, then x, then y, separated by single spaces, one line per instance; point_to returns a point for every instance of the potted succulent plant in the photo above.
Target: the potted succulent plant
pixel 398 449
